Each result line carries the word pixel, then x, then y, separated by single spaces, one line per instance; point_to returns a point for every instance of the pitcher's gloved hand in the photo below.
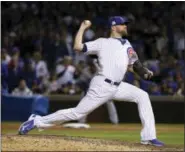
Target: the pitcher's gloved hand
pixel 148 75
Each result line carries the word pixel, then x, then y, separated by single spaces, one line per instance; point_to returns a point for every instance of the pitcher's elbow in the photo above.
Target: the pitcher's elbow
pixel 77 48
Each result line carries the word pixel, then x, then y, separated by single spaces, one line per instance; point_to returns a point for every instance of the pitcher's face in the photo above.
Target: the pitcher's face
pixel 120 29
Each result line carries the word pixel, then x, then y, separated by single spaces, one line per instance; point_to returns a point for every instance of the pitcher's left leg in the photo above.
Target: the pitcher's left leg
pixel 130 93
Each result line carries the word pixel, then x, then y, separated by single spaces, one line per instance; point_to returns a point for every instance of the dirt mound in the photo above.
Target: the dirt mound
pixel 66 143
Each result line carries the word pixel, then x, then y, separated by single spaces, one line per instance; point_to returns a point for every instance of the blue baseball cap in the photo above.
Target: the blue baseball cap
pixel 118 20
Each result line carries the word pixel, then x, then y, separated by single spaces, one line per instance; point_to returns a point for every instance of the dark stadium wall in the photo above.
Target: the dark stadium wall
pixel 165 112
pixel 20 108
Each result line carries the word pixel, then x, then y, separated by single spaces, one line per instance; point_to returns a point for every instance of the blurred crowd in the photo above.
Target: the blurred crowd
pixel 37 45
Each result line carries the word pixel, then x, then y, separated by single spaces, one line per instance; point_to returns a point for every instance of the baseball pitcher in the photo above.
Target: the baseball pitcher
pixel 115 55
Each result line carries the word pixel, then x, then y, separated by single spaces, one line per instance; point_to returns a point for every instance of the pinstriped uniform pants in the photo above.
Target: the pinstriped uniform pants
pixel 101 92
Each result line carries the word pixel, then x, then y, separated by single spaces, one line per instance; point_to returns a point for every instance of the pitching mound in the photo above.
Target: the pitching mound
pixel 65 143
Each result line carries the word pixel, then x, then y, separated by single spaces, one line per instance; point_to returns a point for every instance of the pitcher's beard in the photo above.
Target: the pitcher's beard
pixel 124 33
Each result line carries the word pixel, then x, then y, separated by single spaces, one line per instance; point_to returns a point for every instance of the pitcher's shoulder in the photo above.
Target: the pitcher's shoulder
pixel 127 43
pixel 102 39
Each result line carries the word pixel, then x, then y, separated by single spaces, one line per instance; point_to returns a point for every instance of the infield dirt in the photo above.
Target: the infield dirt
pixel 66 143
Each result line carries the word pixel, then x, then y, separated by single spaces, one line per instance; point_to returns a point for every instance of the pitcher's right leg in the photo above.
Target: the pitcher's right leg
pixel 98 93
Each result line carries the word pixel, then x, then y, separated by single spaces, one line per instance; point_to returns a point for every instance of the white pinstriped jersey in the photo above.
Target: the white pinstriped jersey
pixel 113 56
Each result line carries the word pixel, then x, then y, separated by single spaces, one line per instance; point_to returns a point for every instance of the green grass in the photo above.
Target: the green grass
pixel 170 134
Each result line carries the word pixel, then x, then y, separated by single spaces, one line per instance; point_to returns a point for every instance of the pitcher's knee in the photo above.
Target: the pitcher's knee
pixel 143 96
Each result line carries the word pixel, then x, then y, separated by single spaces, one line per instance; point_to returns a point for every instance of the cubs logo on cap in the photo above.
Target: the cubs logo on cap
pixel 118 20
pixel 113 23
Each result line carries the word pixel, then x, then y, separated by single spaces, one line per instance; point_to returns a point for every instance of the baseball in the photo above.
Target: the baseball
pixel 87 22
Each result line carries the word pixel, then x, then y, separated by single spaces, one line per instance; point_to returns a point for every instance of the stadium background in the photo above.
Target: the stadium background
pixel 40 34
pixel 37 45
